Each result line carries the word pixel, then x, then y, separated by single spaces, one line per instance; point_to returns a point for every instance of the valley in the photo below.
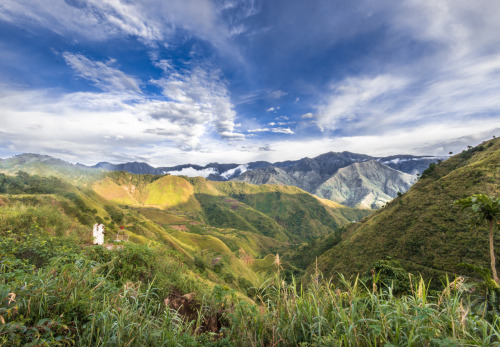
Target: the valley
pixel 229 242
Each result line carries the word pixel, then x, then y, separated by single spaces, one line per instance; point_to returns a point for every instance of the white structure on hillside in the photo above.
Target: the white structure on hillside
pixel 98 234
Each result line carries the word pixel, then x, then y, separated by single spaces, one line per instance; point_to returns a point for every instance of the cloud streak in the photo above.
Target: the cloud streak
pixel 102 75
pixel 458 80
pixel 199 97
pixel 150 21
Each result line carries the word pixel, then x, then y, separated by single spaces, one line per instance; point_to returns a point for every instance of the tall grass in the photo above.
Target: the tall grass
pixel 94 297
pixel 359 316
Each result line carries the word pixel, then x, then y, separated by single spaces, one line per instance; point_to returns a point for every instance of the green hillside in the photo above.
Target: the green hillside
pixel 220 228
pixel 421 229
pixel 284 213
pixel 45 165
pixel 200 265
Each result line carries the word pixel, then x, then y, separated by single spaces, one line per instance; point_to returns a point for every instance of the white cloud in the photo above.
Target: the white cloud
pixel 431 140
pixel 192 172
pixel 199 97
pixel 272 130
pixel 94 20
pixel 381 103
pixel 461 27
pixel 271 109
pixel 282 131
pixel 454 75
pixel 307 116
pixel 260 130
pixel 90 127
pixel 152 21
pixel 240 168
pixel 120 122
pixel 102 75
pixel 277 94
pixel 356 97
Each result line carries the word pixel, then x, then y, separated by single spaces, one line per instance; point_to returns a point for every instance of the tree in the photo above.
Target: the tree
pixel 486 210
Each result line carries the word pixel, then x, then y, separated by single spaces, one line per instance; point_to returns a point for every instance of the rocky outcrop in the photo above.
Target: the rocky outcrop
pixel 268 175
pixel 367 184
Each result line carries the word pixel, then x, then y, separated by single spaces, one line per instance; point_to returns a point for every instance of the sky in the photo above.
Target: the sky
pixel 171 82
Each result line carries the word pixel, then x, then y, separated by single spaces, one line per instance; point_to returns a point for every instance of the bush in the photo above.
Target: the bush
pixel 199 263
pixel 218 267
pixel 228 277
pixel 389 273
pixel 115 214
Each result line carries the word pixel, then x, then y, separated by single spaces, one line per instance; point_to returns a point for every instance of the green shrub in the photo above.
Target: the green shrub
pixel 115 214
pixel 228 277
pixel 199 263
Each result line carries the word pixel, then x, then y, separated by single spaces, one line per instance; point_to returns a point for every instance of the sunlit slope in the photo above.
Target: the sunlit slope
pixel 111 191
pixel 284 213
pixel 64 210
pixel 421 228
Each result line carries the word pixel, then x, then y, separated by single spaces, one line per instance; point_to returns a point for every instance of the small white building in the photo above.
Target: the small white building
pixel 98 234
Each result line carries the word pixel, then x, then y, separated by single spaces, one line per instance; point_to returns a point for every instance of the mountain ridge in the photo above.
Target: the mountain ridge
pixel 309 174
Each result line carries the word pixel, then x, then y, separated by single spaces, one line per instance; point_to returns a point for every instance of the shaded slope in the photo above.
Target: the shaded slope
pixel 420 228
pixel 300 213
pixel 306 173
pixel 351 179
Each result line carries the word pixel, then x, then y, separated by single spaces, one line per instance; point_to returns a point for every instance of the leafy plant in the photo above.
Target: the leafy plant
pixel 486 210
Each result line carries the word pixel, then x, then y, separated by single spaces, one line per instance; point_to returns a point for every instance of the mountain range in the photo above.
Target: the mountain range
pixel 351 179
pixel 374 182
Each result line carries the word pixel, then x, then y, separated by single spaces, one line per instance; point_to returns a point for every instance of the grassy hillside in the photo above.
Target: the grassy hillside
pixel 220 229
pixel 281 212
pixel 294 209
pixel 61 292
pixel 38 205
pixel 421 229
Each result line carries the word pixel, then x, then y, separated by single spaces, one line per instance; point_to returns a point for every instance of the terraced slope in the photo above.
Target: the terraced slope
pixel 221 227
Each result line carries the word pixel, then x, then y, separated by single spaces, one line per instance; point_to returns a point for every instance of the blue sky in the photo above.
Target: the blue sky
pixel 198 81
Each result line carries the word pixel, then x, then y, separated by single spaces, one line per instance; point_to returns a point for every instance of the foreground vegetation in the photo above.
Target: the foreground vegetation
pixel 56 291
